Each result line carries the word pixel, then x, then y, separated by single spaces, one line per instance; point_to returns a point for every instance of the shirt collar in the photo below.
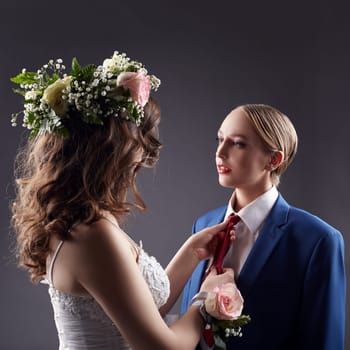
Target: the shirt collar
pixel 255 212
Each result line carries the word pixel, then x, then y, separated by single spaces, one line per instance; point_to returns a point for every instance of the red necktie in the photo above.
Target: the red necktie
pixel 224 242
pixel 218 259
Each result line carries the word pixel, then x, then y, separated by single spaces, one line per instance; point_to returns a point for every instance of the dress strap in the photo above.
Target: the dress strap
pixel 53 261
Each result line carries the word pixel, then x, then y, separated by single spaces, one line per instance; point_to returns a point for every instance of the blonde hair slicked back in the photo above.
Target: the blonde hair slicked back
pixel 276 131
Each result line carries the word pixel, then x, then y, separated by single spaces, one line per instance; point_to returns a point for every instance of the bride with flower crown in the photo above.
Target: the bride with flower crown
pixel 90 133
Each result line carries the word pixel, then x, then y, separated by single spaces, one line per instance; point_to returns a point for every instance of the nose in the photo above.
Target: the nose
pixel 221 150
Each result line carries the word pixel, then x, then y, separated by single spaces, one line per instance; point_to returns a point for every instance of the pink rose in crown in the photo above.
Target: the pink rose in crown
pixel 225 302
pixel 138 84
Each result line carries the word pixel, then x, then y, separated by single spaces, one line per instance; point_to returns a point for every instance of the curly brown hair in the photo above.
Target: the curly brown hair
pixel 61 182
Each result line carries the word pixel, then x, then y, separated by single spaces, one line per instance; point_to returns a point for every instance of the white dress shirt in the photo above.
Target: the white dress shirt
pixel 247 230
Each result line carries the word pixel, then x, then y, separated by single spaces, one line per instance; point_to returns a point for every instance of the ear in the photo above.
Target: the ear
pixel 276 159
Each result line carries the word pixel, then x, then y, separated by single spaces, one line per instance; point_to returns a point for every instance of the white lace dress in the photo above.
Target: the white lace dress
pixel 82 324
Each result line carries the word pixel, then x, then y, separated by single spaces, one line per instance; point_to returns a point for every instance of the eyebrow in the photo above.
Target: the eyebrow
pixel 233 135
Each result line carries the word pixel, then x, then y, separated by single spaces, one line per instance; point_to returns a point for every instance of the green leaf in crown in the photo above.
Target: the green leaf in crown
pixel 91 92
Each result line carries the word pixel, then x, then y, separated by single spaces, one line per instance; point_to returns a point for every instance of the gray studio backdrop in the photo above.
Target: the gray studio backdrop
pixel 210 58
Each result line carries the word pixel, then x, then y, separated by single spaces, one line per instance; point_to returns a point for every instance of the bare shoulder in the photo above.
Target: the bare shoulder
pixel 99 236
pixel 89 250
pixel 99 246
pixel 87 233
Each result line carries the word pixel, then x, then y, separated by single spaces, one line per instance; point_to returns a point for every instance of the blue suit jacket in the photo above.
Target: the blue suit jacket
pixel 293 283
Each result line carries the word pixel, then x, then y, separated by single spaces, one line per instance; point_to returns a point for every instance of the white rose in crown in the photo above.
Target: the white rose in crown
pixel 53 96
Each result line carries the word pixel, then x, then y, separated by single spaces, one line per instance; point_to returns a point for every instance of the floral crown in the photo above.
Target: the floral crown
pixel 118 87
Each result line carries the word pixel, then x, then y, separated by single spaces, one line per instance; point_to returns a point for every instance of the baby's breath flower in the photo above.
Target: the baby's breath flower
pixel 50 94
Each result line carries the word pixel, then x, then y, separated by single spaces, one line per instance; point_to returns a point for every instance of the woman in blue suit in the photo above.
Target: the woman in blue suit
pixel 288 263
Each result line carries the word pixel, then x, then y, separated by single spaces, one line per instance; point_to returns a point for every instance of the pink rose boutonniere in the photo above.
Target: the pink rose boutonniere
pixel 138 84
pixel 224 302
pixel 223 314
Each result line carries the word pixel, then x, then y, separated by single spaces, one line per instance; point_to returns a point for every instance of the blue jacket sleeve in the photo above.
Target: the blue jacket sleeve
pixel 322 316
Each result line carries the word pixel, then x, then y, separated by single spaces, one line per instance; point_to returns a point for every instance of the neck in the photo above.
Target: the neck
pixel 242 197
pixel 110 217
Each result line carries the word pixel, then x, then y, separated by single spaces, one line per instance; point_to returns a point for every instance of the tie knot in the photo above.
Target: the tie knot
pixel 233 219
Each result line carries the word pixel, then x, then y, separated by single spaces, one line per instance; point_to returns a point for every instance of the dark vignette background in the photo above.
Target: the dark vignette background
pixel 211 58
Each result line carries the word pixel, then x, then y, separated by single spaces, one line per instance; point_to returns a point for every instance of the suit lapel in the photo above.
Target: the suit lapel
pixel 269 236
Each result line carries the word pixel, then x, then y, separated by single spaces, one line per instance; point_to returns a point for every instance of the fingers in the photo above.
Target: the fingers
pixel 213 279
pixel 232 235
pixel 212 272
pixel 220 226
pixel 223 224
pixel 227 276
pixel 216 229
pixel 229 271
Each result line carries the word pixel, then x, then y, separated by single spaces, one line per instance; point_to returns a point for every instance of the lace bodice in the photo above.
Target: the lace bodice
pixel 81 322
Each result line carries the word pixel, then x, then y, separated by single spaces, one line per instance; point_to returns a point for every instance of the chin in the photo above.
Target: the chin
pixel 226 184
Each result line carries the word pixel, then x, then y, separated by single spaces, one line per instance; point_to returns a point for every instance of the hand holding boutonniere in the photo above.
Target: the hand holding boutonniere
pixel 222 311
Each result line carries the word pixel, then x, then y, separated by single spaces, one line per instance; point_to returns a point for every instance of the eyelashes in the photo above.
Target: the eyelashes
pixel 238 143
